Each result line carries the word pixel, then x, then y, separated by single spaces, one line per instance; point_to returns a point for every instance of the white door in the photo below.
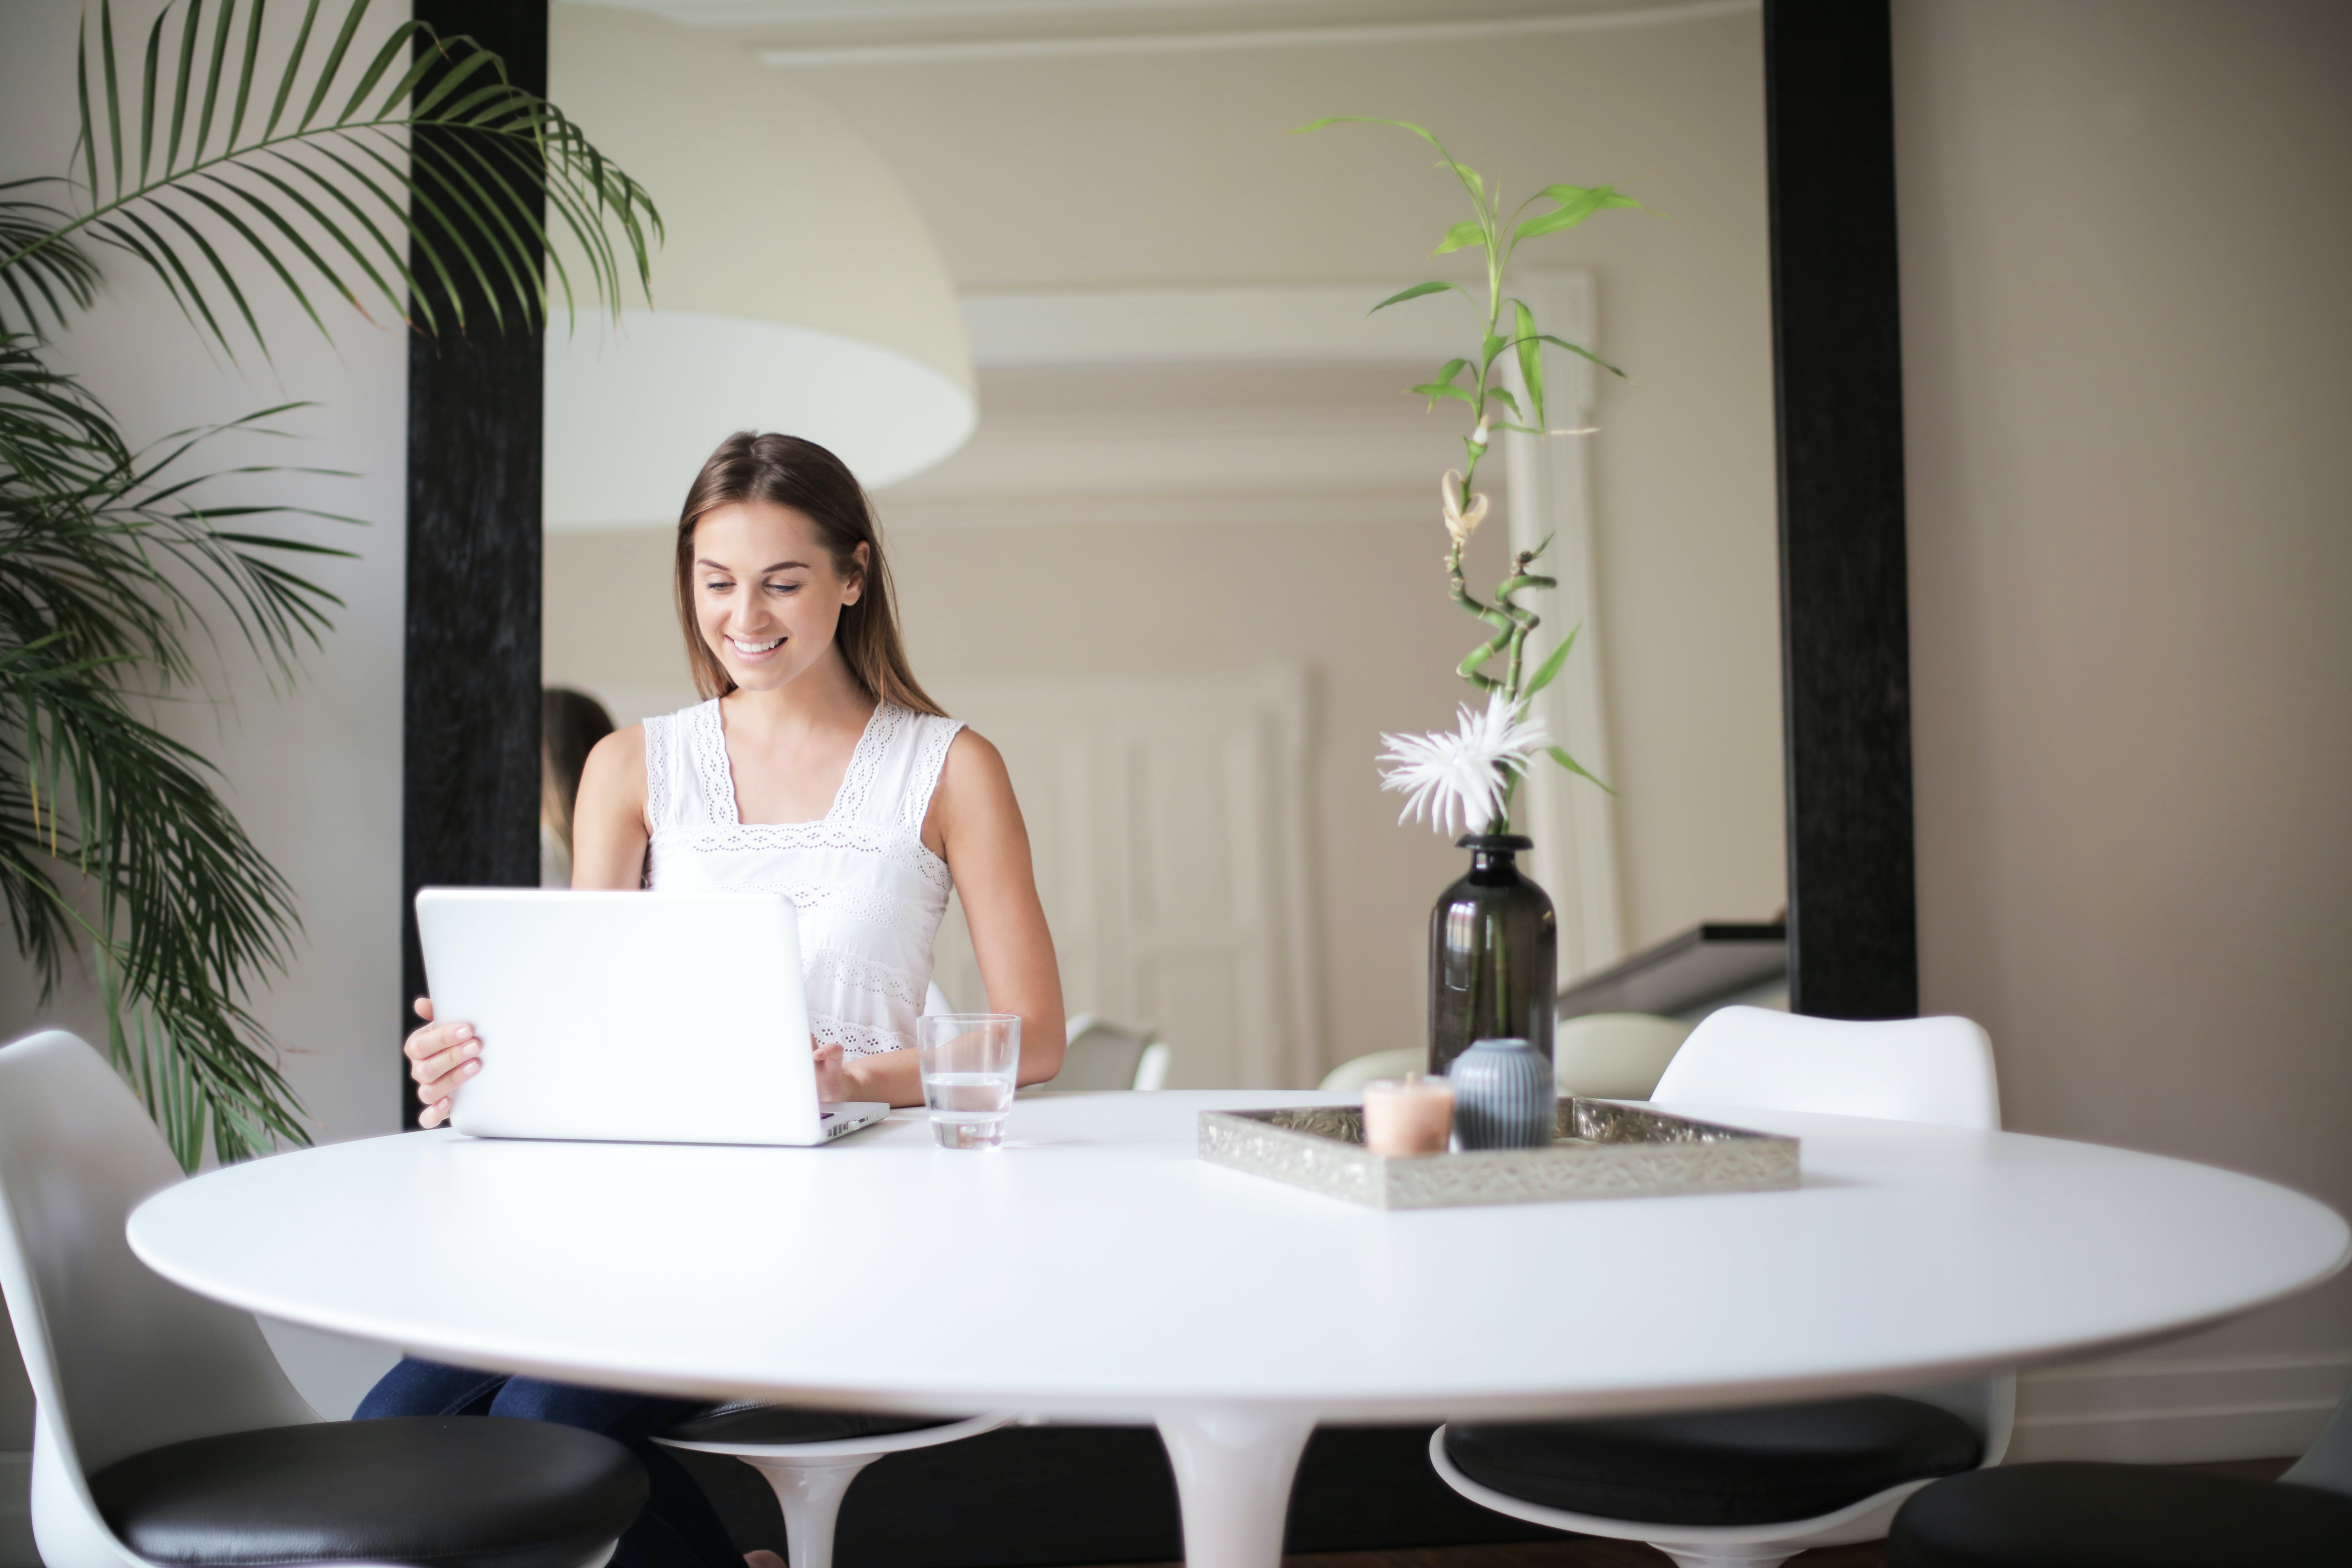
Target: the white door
pixel 1167 819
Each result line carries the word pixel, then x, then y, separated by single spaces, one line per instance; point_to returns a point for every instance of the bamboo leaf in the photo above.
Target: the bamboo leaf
pixel 1493 344
pixel 1417 290
pixel 1559 755
pixel 1462 171
pixel 1435 390
pixel 1469 231
pixel 1551 666
pixel 1577 203
pixel 1582 352
pixel 1531 347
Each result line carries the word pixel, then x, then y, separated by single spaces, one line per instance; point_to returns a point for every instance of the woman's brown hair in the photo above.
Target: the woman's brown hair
pixel 785 471
pixel 570 724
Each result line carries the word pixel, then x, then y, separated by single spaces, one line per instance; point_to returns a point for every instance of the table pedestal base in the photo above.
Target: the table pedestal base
pixel 810 1491
pixel 1761 1556
pixel 1234 1468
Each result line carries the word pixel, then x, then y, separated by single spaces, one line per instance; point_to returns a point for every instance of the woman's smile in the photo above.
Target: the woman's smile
pixel 767 592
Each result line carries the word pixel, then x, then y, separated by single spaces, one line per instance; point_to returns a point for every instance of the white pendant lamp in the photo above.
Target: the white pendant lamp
pixel 798 289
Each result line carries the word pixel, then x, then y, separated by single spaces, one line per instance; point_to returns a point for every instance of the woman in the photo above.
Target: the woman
pixel 819 768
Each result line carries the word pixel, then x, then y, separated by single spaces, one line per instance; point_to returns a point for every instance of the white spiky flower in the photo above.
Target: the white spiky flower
pixel 1455 778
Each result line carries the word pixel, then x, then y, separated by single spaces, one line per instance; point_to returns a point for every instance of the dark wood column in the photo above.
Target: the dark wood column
pixel 1845 605
pixel 469 811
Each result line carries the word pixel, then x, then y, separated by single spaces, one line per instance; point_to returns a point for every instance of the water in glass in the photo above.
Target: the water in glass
pixel 970 1063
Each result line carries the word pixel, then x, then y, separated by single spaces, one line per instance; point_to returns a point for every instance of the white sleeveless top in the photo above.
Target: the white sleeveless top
pixel 870 894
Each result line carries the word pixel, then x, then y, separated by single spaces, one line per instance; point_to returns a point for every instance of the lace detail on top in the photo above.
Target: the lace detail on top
pixel 916 803
pixel 824 834
pixel 707 745
pixel 864 974
pixel 854 902
pixel 882 731
pixel 658 749
pixel 857 1039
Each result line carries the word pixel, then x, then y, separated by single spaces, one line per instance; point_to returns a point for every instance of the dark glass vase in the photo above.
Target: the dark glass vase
pixel 1494 955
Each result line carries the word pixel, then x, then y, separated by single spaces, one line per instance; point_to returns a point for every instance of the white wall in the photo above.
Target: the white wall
pixel 2125 329
pixel 315 778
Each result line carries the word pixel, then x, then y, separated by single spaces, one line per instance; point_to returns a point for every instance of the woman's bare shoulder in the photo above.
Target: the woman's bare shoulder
pixel 618 762
pixel 974 764
pixel 622 745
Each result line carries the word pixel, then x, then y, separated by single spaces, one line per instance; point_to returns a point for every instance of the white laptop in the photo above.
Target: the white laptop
pixel 644 1018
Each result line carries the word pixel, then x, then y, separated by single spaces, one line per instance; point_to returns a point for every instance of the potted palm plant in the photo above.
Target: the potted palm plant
pixel 331 167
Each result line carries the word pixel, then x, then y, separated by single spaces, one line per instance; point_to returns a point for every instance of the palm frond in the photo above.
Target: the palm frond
pixel 116 565
pixel 446 154
pixel 33 286
pixel 111 833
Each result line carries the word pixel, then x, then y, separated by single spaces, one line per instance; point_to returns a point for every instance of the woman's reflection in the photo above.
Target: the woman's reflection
pixel 570 724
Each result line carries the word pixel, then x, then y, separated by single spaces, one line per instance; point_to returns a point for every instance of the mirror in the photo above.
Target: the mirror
pixel 1186 571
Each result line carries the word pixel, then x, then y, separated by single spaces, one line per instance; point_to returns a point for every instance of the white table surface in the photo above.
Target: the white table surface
pixel 1094 1268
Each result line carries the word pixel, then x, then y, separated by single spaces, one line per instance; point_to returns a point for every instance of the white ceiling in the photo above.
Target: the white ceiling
pixel 1059 24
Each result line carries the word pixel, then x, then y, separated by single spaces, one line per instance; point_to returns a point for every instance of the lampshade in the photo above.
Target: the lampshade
pixel 798 289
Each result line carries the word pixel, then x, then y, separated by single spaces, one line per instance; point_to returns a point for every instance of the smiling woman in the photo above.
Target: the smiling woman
pixel 816 766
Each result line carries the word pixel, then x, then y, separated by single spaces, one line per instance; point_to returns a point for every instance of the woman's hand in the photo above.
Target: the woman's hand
pixel 831 1082
pixel 440 1058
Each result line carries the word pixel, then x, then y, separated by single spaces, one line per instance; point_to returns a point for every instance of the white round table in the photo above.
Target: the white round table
pixel 1094 1268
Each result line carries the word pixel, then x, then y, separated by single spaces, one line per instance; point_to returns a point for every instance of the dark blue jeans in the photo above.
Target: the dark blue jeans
pixel 678 1529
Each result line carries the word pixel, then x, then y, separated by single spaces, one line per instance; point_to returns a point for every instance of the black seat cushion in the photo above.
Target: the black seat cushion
pixel 1719 1466
pixel 2079 1515
pixel 763 1424
pixel 452 1491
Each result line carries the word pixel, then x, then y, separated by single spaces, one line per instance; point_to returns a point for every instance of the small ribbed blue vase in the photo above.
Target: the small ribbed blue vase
pixel 1503 1096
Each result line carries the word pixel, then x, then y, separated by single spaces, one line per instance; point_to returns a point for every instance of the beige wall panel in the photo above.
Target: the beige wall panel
pixel 2126 333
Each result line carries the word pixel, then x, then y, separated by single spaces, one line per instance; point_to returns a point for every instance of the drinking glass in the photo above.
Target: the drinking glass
pixel 969 1061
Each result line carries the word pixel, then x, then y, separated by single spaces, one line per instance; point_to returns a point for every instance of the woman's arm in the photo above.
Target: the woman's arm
pixel 974 825
pixel 608 819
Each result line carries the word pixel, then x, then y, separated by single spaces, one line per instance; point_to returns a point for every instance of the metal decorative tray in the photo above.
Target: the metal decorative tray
pixel 1601 1148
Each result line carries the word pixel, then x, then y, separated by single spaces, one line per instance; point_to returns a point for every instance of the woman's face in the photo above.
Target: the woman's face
pixel 766 595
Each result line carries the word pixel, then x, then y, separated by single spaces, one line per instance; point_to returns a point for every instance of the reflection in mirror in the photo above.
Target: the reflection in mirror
pixel 1187 568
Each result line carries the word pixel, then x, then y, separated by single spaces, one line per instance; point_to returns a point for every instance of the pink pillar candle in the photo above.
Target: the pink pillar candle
pixel 1408 1115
